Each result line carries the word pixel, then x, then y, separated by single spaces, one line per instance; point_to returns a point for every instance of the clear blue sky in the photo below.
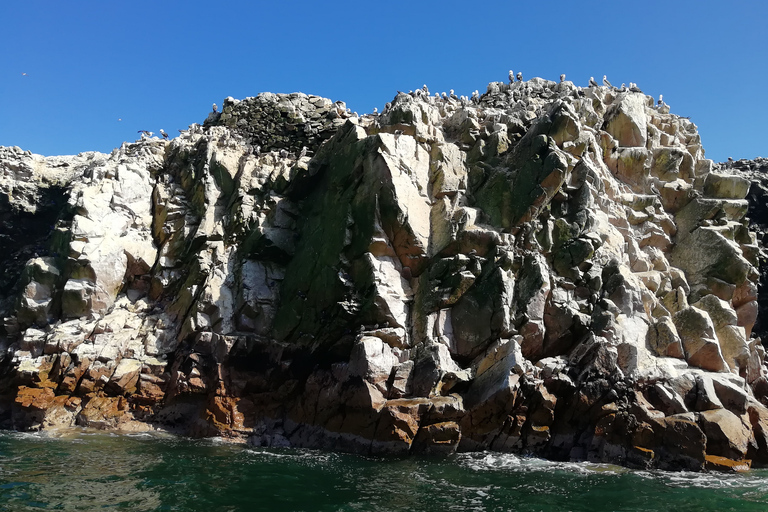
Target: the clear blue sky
pixel 162 64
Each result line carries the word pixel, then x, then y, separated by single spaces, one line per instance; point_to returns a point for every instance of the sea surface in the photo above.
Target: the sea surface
pixel 87 471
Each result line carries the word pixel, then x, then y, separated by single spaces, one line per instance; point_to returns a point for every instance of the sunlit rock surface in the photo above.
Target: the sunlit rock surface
pixel 545 269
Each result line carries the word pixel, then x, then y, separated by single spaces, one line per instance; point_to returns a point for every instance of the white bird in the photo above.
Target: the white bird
pixel 661 99
pixel 519 76
pixel 375 110
pixel 562 78
pixel 162 132
pixel 425 89
pixel 592 82
pixel 511 76
pixel 606 82
pixel 215 108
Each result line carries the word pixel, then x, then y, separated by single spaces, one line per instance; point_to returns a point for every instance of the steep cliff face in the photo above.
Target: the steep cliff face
pixel 545 268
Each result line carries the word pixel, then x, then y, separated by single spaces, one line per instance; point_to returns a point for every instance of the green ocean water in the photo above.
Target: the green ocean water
pixel 95 471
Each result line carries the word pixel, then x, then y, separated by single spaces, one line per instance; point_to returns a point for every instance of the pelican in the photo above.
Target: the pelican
pixel 606 82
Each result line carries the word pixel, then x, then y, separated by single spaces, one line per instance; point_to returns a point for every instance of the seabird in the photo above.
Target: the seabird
pixel 511 76
pixel 425 89
pixel 633 87
pixel 519 76
pixel 606 82
pixel 445 96
pixel 476 96
pixel 303 152
pixel 592 82
pixel 145 133
pixel 162 132
pixel 453 95
pixel 283 153
pixel 23 74
pixel 661 99
pixel 375 110
pixel 562 78
pixel 215 108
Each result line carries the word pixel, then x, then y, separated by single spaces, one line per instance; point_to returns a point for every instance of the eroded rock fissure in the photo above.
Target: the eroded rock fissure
pixel 544 269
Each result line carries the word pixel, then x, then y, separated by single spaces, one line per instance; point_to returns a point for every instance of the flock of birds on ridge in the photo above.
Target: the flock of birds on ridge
pixel 424 92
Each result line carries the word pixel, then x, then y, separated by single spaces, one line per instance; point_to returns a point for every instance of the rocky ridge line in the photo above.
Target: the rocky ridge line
pixel 545 269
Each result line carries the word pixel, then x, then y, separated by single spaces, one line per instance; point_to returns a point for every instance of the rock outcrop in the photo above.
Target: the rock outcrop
pixel 545 269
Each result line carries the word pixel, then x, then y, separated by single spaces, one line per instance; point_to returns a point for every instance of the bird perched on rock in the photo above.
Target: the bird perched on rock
pixel 476 96
pixel 145 133
pixel 606 82
pixel 425 89
pixel 562 78
pixel 303 152
pixel 661 100
pixel 511 76
pixel 162 132
pixel 375 110
pixel 283 153
pixel 453 95
pixel 519 76
pixel 633 87
pixel 215 108
pixel 592 82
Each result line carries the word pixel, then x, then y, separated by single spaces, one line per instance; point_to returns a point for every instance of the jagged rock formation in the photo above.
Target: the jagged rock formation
pixel 546 269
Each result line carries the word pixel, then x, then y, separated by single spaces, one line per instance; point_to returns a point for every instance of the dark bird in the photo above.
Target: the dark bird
pixel 592 82
pixel 162 132
pixel 633 87
pixel 215 108
pixel 519 76
pixel 661 100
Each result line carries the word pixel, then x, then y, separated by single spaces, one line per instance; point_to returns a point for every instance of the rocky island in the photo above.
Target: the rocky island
pixel 544 269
